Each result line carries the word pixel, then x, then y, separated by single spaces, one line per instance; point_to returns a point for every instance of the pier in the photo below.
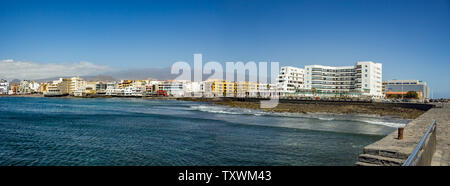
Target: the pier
pixel 394 150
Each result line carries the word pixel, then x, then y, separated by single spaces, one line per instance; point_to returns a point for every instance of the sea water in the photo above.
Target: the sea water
pixel 114 131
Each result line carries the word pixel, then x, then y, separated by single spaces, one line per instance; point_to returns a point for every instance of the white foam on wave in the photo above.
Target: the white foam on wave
pixel 226 110
pixel 370 119
pixel 385 123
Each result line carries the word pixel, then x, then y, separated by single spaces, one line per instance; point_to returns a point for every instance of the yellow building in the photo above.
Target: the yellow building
pixel 125 83
pixel 217 88
pixel 139 83
pixel 247 89
pixel 42 88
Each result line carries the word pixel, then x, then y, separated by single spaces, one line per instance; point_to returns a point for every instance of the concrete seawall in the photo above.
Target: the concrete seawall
pixel 391 151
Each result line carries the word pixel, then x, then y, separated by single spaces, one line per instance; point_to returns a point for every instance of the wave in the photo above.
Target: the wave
pixel 370 119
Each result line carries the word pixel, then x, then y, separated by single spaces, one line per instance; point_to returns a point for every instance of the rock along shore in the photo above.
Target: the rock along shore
pixel 402 110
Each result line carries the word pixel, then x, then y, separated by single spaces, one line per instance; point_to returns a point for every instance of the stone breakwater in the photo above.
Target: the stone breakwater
pixel 402 110
pixel 391 151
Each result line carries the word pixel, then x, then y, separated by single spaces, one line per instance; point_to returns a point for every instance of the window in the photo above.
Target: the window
pixel 366 75
pixel 365 85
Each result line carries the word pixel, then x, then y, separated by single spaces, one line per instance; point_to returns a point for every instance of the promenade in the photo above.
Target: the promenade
pixel 442 155
pixel 390 151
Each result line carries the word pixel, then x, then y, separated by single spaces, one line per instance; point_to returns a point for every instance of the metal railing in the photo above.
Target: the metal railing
pixel 423 153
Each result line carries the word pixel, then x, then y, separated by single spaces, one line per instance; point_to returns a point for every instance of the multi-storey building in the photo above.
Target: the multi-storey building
pixel 291 79
pixel 53 89
pixel 402 87
pixel 4 86
pixel 24 87
pixel 247 89
pixel 76 84
pixel 125 83
pixel 173 88
pixel 112 89
pixel 219 88
pixel 34 86
pixel 193 88
pixel 364 78
pixel 13 88
pixel 371 75
pixel 100 87
pixel 42 88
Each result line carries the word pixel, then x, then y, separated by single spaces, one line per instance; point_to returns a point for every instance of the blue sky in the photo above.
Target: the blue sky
pixel 411 38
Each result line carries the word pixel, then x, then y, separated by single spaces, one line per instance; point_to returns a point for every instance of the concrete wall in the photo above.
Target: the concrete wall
pixel 390 151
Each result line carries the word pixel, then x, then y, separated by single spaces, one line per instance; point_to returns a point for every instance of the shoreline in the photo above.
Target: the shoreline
pixel 358 108
pixel 82 97
pixel 374 109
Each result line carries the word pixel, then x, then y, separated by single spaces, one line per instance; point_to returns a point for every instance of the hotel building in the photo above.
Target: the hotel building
pixel 364 78
pixel 290 79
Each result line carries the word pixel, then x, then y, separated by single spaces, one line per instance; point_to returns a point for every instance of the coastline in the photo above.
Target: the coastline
pixel 81 97
pixel 375 109
pixel 23 95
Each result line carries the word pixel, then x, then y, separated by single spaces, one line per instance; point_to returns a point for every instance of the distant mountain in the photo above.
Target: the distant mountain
pixel 154 73
pixel 88 78
pixel 15 81
pixel 135 74
pixel 144 73
pixel 99 78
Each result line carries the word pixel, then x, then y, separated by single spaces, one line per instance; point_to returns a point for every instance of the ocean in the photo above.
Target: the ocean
pixel 128 131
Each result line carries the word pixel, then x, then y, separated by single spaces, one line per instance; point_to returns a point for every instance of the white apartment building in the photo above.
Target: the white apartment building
pixel 4 86
pixel 34 86
pixel 24 87
pixel 133 91
pixel 53 89
pixel 193 89
pixel 173 87
pixel 76 84
pixel 290 79
pixel 364 78
pixel 112 89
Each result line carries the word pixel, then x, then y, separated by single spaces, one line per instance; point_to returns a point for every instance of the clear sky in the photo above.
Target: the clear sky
pixel 411 38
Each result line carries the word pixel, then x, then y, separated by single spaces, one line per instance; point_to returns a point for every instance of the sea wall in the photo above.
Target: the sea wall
pixel 391 151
